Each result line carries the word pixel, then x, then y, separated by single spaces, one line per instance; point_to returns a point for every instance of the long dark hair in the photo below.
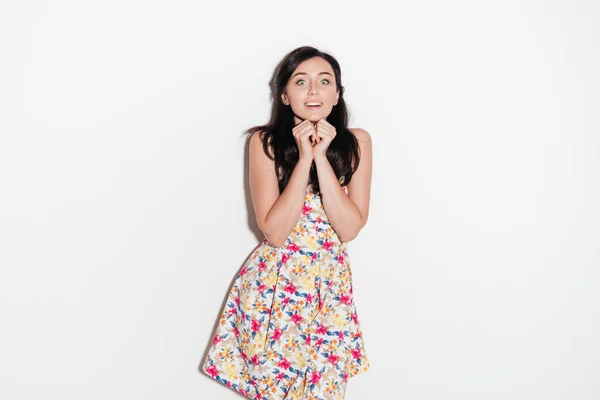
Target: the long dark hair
pixel 343 151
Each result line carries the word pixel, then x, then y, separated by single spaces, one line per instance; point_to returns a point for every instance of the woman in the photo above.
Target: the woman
pixel 290 329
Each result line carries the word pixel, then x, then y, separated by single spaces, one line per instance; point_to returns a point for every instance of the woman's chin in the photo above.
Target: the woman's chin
pixel 313 117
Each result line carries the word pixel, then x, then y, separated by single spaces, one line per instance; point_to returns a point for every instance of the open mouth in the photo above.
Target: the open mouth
pixel 313 106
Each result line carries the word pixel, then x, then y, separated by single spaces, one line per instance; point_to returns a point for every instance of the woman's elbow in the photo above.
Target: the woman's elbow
pixel 275 239
pixel 351 235
pixel 347 237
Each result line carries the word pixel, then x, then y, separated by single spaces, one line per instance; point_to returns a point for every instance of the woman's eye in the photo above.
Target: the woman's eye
pixel 302 80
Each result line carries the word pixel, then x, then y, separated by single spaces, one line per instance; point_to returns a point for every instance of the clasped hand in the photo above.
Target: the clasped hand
pixel 313 140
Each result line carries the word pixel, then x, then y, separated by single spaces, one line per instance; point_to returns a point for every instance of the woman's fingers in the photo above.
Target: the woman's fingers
pixel 301 129
pixel 325 131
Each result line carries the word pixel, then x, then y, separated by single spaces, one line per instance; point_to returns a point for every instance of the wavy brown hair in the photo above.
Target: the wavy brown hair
pixel 277 138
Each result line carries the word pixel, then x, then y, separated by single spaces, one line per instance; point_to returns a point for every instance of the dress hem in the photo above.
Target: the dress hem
pixel 229 385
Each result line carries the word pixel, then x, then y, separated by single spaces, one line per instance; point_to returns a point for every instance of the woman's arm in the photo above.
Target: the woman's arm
pixel 347 214
pixel 276 214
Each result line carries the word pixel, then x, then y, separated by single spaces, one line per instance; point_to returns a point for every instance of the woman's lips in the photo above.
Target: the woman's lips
pixel 313 108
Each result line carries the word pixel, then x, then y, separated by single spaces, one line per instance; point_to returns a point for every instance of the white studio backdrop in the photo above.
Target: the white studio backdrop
pixel 125 212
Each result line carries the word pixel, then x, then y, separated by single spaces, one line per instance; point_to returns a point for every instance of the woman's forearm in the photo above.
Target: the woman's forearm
pixel 287 209
pixel 343 215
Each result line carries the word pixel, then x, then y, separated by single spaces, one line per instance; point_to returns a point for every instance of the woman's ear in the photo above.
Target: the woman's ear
pixel 337 97
pixel 284 99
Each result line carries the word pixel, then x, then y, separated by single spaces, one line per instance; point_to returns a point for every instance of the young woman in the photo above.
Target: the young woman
pixel 290 328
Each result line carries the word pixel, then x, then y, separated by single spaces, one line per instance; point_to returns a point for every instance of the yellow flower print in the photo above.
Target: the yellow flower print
pixel 260 304
pixel 296 270
pixel 270 280
pixel 308 282
pixel 271 354
pixel 299 359
pixel 259 339
pixel 338 320
pixel 311 241
pixel 230 371
pixel 291 345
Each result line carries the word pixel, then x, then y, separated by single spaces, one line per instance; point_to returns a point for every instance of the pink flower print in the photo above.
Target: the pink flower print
pixel 341 259
pixel 309 298
pixel 259 396
pixel 319 220
pixel 237 300
pixel 315 377
pixel 351 289
pixel 285 257
pixel 255 325
pixel 333 359
pixel 314 256
pixel 216 340
pixel 236 331
pixel 345 377
pixel 284 363
pixel 262 266
pixel 243 270
pixel 355 318
pixel 285 300
pixel 341 335
pixel 212 371
pixel 322 329
pixel 306 209
pixel 356 353
pixel 296 318
pixel 277 333
pixel 345 299
pixel 280 376
pixel 290 288
pixel 327 245
pixel 308 340
pixel 293 247
pixel 320 342
pixel 231 311
pixel 261 288
pixel 254 359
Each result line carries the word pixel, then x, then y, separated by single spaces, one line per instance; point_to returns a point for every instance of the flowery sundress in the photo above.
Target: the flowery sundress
pixel 290 329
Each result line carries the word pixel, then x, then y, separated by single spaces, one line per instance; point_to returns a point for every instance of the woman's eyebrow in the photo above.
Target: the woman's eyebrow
pixel 304 73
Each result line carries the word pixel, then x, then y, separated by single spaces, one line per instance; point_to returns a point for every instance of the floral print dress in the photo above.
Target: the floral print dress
pixel 289 329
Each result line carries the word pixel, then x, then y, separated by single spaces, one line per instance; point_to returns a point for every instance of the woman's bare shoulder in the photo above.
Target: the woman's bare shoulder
pixel 257 139
pixel 257 136
pixel 361 134
pixel 257 146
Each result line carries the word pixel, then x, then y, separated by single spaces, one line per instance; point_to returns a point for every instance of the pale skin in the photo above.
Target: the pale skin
pixel 277 214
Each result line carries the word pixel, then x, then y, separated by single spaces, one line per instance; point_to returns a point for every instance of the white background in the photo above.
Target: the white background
pixel 125 211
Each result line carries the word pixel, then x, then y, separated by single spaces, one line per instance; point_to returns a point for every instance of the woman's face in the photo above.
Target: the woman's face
pixel 313 82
